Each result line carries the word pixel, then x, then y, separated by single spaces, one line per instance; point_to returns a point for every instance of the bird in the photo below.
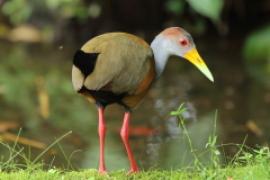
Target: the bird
pixel 119 68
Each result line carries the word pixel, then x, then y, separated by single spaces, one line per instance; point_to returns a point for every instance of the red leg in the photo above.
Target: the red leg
pixel 101 133
pixel 124 136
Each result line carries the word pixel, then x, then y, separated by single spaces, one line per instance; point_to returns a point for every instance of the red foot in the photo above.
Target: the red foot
pixel 132 171
pixel 102 171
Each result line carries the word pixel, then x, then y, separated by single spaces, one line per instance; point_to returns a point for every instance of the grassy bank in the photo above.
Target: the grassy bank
pixel 260 171
pixel 247 163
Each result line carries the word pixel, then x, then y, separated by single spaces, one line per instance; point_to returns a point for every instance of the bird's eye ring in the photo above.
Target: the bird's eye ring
pixel 183 42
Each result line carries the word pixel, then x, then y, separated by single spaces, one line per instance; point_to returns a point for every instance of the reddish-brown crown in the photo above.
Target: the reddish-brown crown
pixel 172 31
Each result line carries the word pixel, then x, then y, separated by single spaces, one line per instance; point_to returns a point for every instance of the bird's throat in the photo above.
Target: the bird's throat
pixel 161 57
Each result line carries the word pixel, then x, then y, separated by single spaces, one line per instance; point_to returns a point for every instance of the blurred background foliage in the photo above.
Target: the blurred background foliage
pixel 257 53
pixel 52 17
pixel 38 39
pixel 53 20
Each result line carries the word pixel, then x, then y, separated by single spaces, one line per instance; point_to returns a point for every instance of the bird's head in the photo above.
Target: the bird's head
pixel 175 41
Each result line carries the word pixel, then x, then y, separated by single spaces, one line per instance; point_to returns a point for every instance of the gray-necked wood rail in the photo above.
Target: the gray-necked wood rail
pixel 120 68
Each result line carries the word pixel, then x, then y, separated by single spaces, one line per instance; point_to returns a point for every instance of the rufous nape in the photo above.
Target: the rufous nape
pixel 120 68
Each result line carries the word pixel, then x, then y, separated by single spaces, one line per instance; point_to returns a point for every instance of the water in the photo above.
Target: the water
pixel 240 100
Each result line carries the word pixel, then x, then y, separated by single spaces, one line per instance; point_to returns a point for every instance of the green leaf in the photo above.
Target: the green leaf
pixel 208 8
pixel 257 45
pixel 256 52
pixel 19 11
pixel 175 6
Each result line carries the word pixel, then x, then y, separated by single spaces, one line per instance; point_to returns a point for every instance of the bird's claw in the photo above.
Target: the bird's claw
pixel 102 171
pixel 133 171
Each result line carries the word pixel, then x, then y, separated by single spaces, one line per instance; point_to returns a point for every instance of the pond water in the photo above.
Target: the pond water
pixel 29 73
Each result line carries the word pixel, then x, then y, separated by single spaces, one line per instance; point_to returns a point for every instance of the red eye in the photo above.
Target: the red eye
pixel 183 42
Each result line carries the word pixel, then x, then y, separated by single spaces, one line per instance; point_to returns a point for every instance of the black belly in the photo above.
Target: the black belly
pixel 104 98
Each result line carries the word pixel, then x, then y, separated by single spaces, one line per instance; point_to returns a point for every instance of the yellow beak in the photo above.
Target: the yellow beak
pixel 194 57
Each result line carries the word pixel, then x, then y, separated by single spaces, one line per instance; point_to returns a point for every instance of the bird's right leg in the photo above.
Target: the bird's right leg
pixel 125 138
pixel 102 134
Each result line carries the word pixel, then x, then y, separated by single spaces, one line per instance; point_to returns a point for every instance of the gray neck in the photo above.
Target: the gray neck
pixel 161 56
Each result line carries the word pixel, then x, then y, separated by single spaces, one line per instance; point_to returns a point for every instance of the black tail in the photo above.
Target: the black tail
pixel 85 61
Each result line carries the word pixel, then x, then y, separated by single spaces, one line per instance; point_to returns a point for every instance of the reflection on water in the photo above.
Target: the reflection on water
pixel 156 139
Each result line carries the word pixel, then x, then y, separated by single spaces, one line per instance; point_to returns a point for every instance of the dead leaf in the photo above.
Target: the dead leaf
pixel 229 178
pixel 252 126
pixel 7 125
pixel 25 33
pixel 22 140
pixel 43 98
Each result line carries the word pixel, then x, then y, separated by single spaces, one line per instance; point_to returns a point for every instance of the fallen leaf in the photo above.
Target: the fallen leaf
pixel 141 131
pixel 252 126
pixel 25 33
pixel 7 125
pixel 22 140
pixel 43 98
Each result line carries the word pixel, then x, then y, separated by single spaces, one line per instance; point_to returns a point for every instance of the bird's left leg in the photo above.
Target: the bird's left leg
pixel 102 134
pixel 124 135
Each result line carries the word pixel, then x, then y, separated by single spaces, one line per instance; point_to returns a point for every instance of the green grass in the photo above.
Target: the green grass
pixel 253 165
pixel 248 163
pixel 258 170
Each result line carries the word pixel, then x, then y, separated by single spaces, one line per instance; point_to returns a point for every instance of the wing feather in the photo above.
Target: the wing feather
pixel 123 62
